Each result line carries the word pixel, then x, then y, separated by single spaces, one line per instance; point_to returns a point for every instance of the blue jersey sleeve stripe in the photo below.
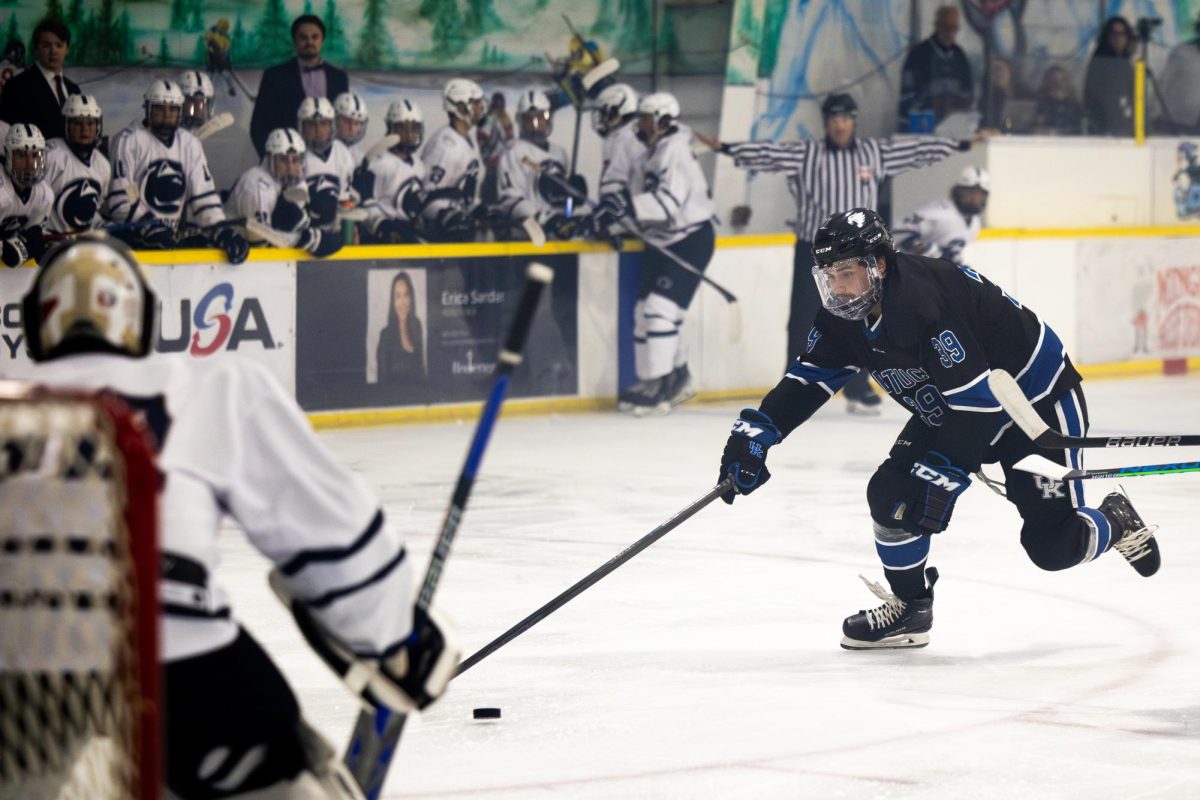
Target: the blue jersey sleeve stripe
pixel 829 379
pixel 1045 365
pixel 973 396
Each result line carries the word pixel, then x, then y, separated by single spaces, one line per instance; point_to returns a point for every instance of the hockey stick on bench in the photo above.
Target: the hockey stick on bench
pixel 1006 390
pixel 594 577
pixel 1040 465
pixel 377 732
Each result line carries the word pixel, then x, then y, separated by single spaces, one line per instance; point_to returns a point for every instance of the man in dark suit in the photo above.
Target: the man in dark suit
pixel 36 95
pixel 284 86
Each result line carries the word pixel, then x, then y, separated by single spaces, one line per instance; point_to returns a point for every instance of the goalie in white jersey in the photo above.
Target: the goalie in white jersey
pixel 161 183
pixel 272 194
pixel 614 119
pixel 24 196
pixel 942 228
pixel 77 173
pixel 328 165
pixel 232 441
pixel 532 171
pixel 452 166
pixel 397 181
pixel 671 206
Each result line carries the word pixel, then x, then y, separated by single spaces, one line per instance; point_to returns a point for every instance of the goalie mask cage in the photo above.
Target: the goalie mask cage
pixel 79 678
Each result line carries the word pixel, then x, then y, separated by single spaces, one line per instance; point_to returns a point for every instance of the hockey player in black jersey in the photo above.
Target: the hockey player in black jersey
pixel 929 332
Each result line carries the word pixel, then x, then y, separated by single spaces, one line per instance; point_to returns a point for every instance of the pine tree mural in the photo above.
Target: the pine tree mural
pixel 746 30
pixel 164 53
pixel 273 34
pixel 54 9
pixel 195 16
pixel 448 38
pixel 337 48
pixel 773 16
pixel 637 26
pixel 178 15
pixel 606 21
pixel 375 49
pixel 482 17
pixel 239 42
pixel 125 38
pixel 11 31
pixel 105 47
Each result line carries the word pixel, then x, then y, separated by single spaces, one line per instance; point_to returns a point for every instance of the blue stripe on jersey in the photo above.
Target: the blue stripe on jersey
pixel 903 555
pixel 1044 366
pixel 831 380
pixel 1072 425
pixel 973 396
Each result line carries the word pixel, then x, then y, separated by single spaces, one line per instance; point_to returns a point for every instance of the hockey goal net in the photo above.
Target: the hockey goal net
pixel 79 686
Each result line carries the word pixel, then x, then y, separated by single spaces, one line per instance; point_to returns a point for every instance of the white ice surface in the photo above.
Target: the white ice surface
pixel 709 666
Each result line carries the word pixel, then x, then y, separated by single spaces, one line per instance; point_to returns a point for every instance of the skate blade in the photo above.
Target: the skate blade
pixel 897 642
pixel 658 410
pixel 863 410
pixel 683 397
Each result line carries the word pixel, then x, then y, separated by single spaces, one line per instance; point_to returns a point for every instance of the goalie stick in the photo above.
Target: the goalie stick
pixel 594 577
pixel 1014 401
pixel 377 732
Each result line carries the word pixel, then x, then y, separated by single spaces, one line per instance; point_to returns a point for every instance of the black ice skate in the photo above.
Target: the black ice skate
pixel 1132 537
pixel 645 398
pixel 679 387
pixel 895 624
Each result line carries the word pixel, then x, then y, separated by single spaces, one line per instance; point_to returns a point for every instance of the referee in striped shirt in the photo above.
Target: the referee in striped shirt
pixel 827 176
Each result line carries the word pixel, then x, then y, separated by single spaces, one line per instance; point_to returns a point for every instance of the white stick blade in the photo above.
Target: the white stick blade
pixel 1016 404
pixel 540 272
pixel 534 231
pixel 1040 465
pixel 270 235
pixel 218 123
pixel 386 143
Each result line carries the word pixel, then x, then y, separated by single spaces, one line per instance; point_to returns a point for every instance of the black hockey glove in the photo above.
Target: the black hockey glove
pixel 936 486
pixel 34 242
pixel 579 187
pixel 323 208
pixel 289 217
pixel 229 239
pixel 147 234
pixel 14 251
pixel 612 208
pixel 452 225
pixel 320 243
pixel 563 227
pixel 745 456
pixel 363 182
pixel 395 231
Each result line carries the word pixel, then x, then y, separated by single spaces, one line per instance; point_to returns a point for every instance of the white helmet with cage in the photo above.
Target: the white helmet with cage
pixel 198 94
pixel 283 156
pixel 168 98
pixel 84 122
pixel 405 119
pixel 352 117
pixel 614 104
pixel 970 191
pixel 656 114
pixel 533 115
pixel 314 119
pixel 25 154
pixel 463 99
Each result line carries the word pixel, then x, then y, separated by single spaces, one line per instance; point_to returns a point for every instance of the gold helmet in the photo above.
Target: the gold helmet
pixel 89 296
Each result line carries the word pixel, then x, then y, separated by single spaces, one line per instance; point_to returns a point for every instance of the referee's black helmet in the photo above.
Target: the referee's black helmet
pixel 839 104
pixel 856 233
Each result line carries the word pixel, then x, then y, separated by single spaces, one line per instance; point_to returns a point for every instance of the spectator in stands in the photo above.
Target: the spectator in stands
pixel 1057 111
pixel 494 132
pixel 1108 86
pixel 936 76
pixel 994 102
pixel 1181 84
pixel 37 95
pixel 284 86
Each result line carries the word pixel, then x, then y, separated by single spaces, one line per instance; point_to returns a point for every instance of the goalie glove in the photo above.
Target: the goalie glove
pixel 407 677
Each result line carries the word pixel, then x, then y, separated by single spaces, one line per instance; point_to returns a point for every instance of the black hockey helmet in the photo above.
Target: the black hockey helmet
pixel 839 104
pixel 856 233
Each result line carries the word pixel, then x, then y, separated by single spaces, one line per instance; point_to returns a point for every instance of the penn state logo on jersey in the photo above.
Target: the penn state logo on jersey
pixel 408 198
pixel 77 203
pixel 650 182
pixel 164 187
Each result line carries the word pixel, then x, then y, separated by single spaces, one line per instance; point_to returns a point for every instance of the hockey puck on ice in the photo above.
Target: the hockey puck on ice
pixel 486 713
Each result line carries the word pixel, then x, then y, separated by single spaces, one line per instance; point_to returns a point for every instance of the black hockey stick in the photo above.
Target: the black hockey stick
pixel 1014 401
pixel 1040 465
pixel 727 295
pixel 594 577
pixel 377 732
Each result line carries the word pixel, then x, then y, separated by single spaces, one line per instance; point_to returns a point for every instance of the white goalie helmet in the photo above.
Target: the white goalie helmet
pixel 283 156
pixel 970 191
pixel 463 99
pixel 533 114
pixel 25 154
pixel 89 296
pixel 84 122
pixel 164 95
pixel 352 117
pixel 656 114
pixel 613 105
pixel 405 119
pixel 198 93
pixel 314 119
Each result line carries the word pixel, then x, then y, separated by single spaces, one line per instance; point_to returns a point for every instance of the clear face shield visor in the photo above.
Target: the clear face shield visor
pixel 849 288
pixel 83 131
pixel 317 133
pixel 288 168
pixel 535 124
pixel 26 166
pixel 196 111
pixel 411 134
pixel 350 131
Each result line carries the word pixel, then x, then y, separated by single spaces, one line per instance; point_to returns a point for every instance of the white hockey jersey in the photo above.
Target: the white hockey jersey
pixel 17 214
pixel 79 188
pixel 938 230
pixel 452 171
pixel 520 187
pixel 170 183
pixel 622 152
pixel 232 441
pixel 253 197
pixel 397 188
pixel 670 195
pixel 332 174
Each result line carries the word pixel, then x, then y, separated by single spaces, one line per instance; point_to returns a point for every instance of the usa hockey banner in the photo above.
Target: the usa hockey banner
pixel 377 333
